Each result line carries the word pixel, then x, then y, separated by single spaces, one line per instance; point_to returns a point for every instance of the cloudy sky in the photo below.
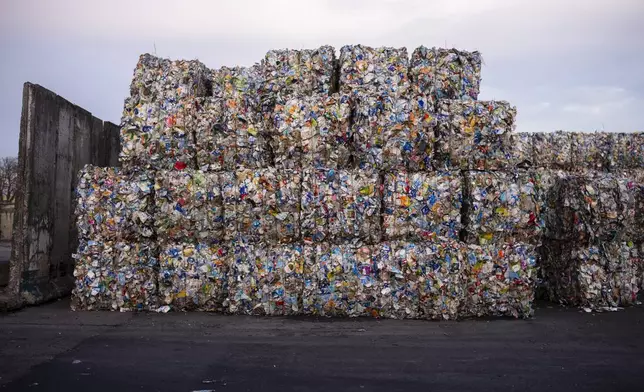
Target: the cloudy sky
pixel 566 64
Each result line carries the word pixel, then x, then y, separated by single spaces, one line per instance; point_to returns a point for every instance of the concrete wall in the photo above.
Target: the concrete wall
pixel 56 139
pixel 6 221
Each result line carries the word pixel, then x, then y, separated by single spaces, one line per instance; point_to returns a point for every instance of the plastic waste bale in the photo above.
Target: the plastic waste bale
pixel 340 280
pixel 474 134
pixel 193 276
pixel 599 276
pixel 227 136
pixel 393 132
pixel 397 291
pixel 312 131
pixel 152 127
pixel 189 206
pixel 500 280
pixel 112 204
pixel 628 151
pixel 591 150
pixel 446 73
pixel 502 206
pixel 585 207
pixel 341 205
pixel 266 280
pixel 381 71
pixel 136 266
pixel 552 150
pixel 522 153
pixel 631 198
pixel 241 84
pixel 442 272
pixel 317 70
pixel 263 205
pixel 112 275
pixel 422 206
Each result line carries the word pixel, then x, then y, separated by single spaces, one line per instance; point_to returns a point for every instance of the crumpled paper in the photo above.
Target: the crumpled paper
pixel 446 73
pixel 552 150
pixel 341 205
pixel 501 280
pixel 193 276
pixel 263 205
pixel 600 276
pixel 153 132
pixel 381 71
pixel 422 206
pixel 502 206
pixel 115 276
pixel 474 135
pixel 340 280
pixel 591 150
pixel 266 280
pixel 312 131
pixel 628 151
pixel 393 132
pixel 112 204
pixel 189 206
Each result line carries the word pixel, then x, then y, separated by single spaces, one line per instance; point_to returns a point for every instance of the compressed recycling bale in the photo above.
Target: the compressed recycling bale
pixel 628 151
pixel 266 280
pixel 189 206
pixel 522 153
pixel 312 131
pixel 442 277
pixel 585 207
pixel 591 150
pixel 112 204
pixel 599 276
pixel 500 280
pixel 241 84
pixel 397 294
pixel 552 150
pixel 227 137
pixel 340 205
pixel 308 71
pixel 153 130
pixel 115 276
pixel 393 132
pixel 193 276
pixel 502 206
pixel 422 206
pixel 156 79
pixel 263 205
pixel 631 198
pixel 373 70
pixel 340 280
pixel 474 135
pixel 446 73
pixel 317 70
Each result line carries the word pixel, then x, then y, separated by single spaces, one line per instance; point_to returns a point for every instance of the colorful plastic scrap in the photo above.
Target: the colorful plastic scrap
pixel 373 70
pixel 591 150
pixel 552 150
pixel 193 276
pixel 422 206
pixel 398 280
pixel 341 205
pixel 393 132
pixel 340 280
pixel 502 206
pixel 446 73
pixel 113 205
pixel 474 135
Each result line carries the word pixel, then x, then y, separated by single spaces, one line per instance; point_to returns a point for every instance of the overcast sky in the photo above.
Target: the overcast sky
pixel 566 64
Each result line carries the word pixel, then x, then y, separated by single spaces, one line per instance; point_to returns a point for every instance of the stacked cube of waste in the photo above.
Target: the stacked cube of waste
pixel 368 185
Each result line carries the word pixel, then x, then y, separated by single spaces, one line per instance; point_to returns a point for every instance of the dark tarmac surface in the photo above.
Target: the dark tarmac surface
pixel 50 348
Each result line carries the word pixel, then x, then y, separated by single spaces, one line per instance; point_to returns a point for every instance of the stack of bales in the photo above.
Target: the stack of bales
pixel 370 185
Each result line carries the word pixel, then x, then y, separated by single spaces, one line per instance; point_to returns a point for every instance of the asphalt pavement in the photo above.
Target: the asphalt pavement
pixel 50 348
